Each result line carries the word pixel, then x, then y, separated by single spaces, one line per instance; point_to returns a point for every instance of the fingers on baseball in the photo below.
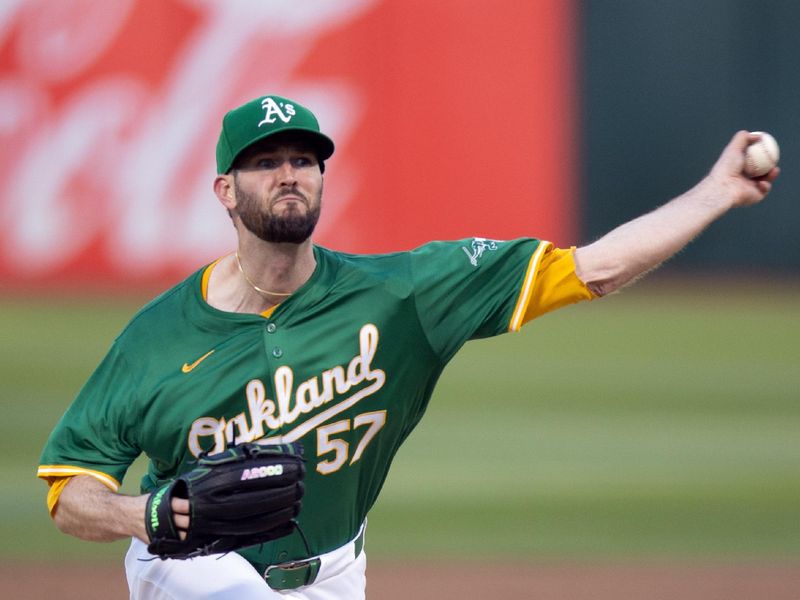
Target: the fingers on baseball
pixel 772 175
pixel 753 137
pixel 742 139
pixel 764 182
pixel 763 185
pixel 732 158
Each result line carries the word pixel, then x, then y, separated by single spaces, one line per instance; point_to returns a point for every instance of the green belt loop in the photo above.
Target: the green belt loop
pixel 359 543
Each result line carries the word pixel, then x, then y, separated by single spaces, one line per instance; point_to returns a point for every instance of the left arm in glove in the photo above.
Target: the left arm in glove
pixel 243 496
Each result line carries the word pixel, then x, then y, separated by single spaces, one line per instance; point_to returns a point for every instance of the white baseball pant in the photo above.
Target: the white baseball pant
pixel 342 576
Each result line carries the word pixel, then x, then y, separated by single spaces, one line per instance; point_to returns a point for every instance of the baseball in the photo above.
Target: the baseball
pixel 761 156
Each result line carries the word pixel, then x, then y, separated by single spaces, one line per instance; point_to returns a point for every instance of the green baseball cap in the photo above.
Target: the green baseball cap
pixel 260 118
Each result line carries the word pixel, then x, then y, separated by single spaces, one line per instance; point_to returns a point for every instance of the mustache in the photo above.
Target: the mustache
pixel 290 192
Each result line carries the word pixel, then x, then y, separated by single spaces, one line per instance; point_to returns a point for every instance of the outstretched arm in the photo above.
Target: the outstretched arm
pixel 89 510
pixel 642 244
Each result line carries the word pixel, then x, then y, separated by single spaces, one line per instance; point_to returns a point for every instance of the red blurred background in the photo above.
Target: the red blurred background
pixel 451 118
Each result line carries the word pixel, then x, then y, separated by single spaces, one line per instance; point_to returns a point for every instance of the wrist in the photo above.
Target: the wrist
pixel 718 196
pixel 134 521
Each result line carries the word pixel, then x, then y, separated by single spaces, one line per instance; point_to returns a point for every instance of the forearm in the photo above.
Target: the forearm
pixel 642 244
pixel 89 510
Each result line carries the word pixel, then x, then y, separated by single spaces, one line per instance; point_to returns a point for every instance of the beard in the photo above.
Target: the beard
pixel 292 227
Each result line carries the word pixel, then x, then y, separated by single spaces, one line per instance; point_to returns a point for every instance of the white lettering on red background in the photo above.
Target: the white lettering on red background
pixel 109 162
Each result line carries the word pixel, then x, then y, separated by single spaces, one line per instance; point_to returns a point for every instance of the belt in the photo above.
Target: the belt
pixel 291 575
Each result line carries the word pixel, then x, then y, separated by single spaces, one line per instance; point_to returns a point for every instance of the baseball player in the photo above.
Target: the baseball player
pixel 285 341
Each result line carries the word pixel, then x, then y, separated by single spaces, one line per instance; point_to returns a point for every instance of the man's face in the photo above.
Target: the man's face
pixel 278 187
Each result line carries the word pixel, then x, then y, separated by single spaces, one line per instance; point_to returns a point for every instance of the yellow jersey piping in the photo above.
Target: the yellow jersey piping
pixel 527 287
pixel 206 277
pixel 204 287
pixel 46 471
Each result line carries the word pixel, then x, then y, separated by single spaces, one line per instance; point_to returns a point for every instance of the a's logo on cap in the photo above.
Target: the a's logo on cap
pixel 284 111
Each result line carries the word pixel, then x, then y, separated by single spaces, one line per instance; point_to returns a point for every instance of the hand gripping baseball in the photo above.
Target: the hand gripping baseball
pixel 243 496
pixel 728 175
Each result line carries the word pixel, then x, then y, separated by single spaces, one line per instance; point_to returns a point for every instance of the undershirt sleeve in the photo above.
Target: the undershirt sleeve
pixel 557 285
pixel 56 487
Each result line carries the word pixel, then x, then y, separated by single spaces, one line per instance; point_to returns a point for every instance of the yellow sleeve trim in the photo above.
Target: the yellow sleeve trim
pixel 527 287
pixel 52 472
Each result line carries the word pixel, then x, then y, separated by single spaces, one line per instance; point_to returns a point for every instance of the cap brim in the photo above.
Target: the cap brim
pixel 323 145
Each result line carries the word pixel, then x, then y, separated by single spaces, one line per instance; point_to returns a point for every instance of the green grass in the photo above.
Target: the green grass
pixel 661 422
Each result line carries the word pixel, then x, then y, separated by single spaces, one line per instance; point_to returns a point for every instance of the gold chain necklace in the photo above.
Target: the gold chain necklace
pixel 253 285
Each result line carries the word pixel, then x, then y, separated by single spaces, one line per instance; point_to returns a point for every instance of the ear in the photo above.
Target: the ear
pixel 223 188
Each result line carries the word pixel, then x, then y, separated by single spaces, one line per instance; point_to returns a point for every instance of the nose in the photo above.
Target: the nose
pixel 287 174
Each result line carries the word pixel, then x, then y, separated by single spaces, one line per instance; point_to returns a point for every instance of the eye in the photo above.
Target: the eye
pixel 266 163
pixel 299 162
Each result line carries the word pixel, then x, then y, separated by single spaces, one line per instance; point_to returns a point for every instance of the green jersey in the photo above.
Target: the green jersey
pixel 346 366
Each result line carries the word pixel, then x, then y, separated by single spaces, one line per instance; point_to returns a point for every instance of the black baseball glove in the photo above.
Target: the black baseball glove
pixel 243 496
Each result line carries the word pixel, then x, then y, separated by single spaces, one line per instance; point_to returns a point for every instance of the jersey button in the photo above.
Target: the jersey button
pixel 277 352
pixel 271 328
